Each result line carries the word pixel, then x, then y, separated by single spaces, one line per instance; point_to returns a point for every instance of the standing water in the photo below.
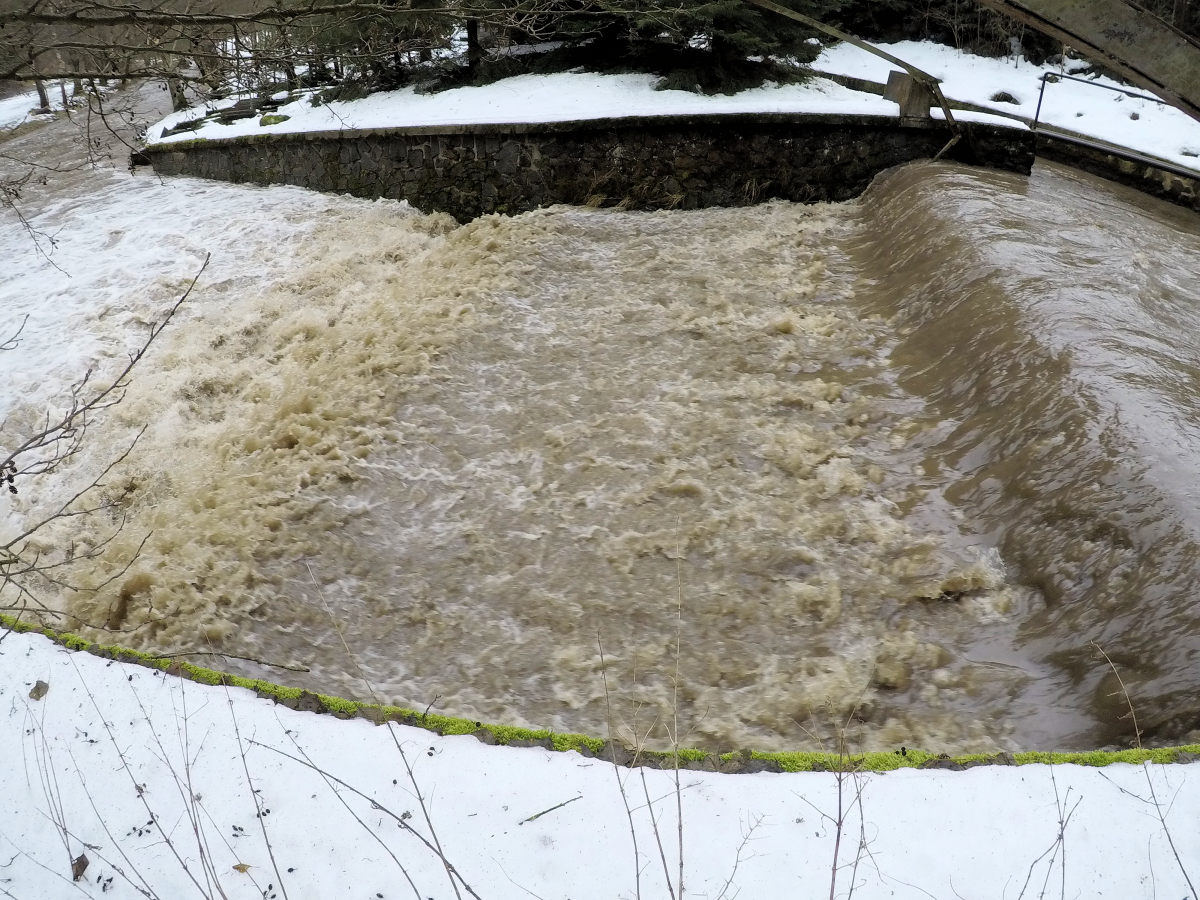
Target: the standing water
pixel 895 462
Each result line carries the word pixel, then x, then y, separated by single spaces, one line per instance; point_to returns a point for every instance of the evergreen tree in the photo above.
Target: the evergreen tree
pixel 731 29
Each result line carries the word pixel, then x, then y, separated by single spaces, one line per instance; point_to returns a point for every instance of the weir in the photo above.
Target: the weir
pixel 907 455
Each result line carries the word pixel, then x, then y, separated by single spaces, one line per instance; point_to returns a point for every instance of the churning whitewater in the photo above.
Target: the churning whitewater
pixel 741 476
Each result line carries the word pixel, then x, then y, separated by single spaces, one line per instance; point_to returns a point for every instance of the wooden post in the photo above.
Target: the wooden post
pixel 915 98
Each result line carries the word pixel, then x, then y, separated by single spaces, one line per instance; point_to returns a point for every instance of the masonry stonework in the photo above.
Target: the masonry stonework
pixel 676 162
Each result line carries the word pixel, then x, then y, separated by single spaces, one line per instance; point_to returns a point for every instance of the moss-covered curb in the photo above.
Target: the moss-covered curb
pixel 743 761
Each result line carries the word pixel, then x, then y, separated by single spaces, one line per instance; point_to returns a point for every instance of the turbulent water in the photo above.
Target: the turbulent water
pixel 744 476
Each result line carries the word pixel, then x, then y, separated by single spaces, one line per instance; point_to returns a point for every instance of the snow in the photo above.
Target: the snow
pixel 1087 109
pixel 1084 108
pixel 175 789
pixel 21 108
pixel 160 781
pixel 18 109
pixel 562 97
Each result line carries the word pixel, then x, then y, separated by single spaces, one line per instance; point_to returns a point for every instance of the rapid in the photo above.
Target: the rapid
pixel 892 468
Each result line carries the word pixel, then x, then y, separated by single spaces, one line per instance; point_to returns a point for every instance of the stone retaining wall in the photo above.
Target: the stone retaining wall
pixel 661 162
pixel 1175 185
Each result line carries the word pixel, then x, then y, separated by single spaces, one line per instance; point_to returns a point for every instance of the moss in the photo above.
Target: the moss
pixel 339 706
pixel 506 734
pixel 444 724
pixel 787 761
pixel 565 742
pixel 1104 758
pixel 272 119
pixel 74 642
pixel 203 676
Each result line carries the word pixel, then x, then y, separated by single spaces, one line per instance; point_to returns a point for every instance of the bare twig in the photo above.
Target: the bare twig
pixel 127 769
pixel 11 342
pixel 401 820
pixel 536 816
pixel 747 837
pixel 258 807
pixel 1059 845
pixel 436 845
pixel 637 856
pixel 1154 801
pixel 1137 732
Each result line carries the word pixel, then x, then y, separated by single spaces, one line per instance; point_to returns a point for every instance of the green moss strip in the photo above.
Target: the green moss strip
pixel 741 761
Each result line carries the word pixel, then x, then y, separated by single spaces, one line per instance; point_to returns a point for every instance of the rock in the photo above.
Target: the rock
pixel 753 766
pixel 485 736
pixel 708 764
pixel 544 743
pixel 943 762
pixel 38 691
pixel 615 752
pixel 373 714
pixel 306 702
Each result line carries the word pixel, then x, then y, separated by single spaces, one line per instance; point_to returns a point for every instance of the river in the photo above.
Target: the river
pixel 891 469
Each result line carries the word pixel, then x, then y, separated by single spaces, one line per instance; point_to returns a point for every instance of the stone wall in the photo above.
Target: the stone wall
pixel 666 162
pixel 1159 180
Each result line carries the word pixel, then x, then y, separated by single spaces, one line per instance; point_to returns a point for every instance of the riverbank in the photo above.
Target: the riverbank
pixel 1006 91
pixel 125 781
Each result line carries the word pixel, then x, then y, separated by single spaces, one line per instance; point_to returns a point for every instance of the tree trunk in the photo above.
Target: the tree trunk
pixel 289 68
pixel 474 51
pixel 178 100
pixel 76 64
pixel 43 97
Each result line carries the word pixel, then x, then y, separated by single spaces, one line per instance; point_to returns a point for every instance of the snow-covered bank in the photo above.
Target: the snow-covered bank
pixel 174 789
pixel 18 109
pixel 562 97
pixel 1100 108
pixel 24 107
pixel 1089 109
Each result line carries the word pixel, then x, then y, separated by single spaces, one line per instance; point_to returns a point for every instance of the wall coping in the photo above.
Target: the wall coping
pixel 611 123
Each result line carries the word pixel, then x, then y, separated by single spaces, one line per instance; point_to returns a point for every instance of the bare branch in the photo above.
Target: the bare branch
pixel 58 440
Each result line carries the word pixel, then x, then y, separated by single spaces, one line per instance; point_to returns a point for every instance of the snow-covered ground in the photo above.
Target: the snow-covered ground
pixel 21 108
pixel 172 789
pixel 1089 108
pixel 1092 109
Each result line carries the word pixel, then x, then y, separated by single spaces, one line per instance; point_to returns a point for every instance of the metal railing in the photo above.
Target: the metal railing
pixel 1054 77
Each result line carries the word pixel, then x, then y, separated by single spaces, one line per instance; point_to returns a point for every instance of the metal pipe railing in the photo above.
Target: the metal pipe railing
pixel 1058 77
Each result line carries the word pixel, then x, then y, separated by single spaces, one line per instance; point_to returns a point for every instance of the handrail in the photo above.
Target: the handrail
pixel 1047 76
pixel 920 75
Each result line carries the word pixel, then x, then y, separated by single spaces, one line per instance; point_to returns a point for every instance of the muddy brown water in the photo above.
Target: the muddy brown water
pixel 744 476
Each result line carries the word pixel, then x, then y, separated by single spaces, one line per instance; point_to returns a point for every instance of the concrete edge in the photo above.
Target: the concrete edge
pixel 619 123
pixel 741 761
